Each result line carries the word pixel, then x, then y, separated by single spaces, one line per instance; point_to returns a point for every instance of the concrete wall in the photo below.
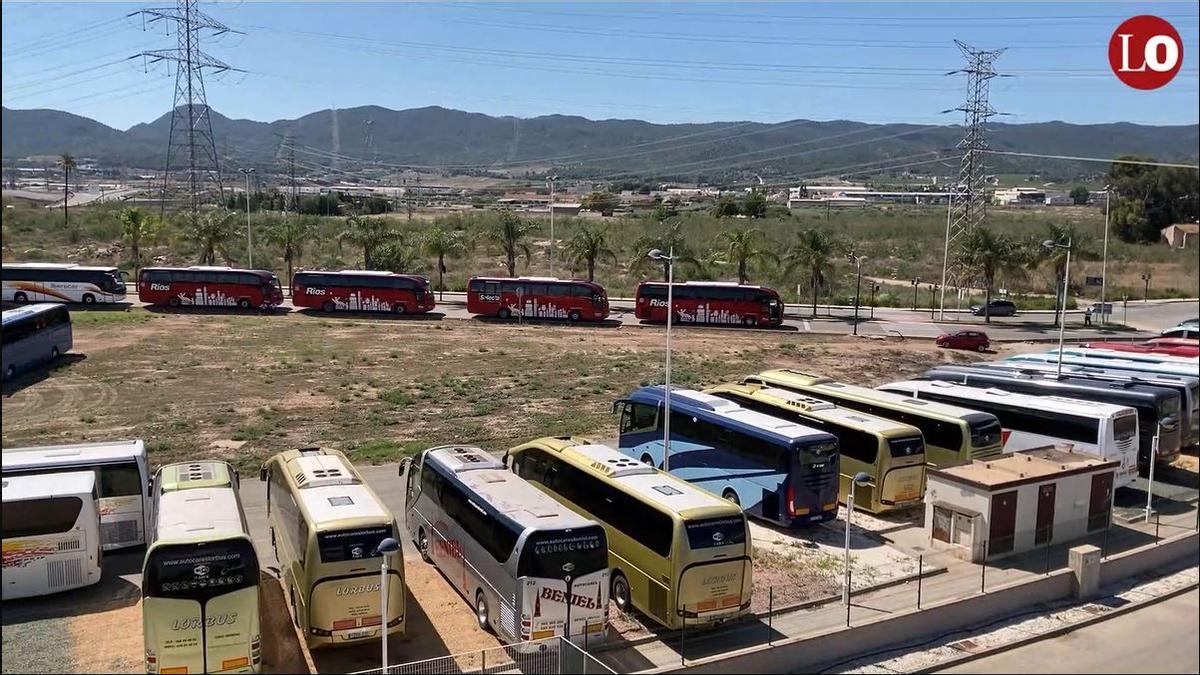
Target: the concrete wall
pixel 1138 561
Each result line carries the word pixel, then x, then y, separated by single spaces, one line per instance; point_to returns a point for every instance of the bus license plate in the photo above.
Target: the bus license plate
pixel 360 633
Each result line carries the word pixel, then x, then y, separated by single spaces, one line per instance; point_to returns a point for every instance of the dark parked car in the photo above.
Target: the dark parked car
pixel 996 308
pixel 975 340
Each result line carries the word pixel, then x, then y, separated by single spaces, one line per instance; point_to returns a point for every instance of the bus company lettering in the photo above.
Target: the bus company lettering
pixel 489 297
pixel 193 622
pixel 314 291
pixel 355 590
pixel 584 602
pixel 655 302
pixel 160 287
pixel 719 579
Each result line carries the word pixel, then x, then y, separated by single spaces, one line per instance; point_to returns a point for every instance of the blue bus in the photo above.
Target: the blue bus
pixel 776 470
pixel 33 335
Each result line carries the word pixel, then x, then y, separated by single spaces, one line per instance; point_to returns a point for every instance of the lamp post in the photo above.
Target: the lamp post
pixel 552 179
pixel 860 478
pixel 249 240
pixel 387 547
pixel 1104 264
pixel 915 283
pixel 669 259
pixel 1062 323
pixel 857 259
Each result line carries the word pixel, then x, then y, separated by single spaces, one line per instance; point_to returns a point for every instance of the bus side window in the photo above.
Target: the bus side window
pixel 301 535
pixel 120 480
pixel 638 417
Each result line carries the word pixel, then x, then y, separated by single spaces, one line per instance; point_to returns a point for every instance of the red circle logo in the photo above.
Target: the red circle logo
pixel 1145 52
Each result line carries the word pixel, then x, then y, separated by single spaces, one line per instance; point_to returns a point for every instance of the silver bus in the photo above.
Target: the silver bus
pixel 61 282
pixel 34 335
pixel 531 567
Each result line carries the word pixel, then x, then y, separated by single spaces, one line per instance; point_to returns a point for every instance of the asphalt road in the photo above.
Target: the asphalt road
pixel 1158 638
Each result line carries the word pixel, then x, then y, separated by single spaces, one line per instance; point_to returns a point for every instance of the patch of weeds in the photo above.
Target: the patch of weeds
pixel 88 419
pixel 397 397
pixel 384 450
pixel 249 432
pixel 158 445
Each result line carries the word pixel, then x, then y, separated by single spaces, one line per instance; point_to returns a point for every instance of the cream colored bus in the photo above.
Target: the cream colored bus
pixel 326 527
pixel 677 553
pixel 200 602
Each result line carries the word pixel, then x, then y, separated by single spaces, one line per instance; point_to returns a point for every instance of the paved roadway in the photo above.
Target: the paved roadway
pixel 1158 638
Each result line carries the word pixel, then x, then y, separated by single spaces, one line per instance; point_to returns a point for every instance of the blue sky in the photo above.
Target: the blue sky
pixel 665 62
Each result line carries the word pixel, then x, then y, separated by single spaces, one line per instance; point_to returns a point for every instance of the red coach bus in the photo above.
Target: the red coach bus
pixel 362 291
pixel 710 302
pixel 537 297
pixel 201 286
pixel 1149 348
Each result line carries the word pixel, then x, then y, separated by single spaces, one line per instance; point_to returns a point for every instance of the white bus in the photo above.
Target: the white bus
pixel 531 567
pixel 200 608
pixel 121 479
pixel 56 282
pixel 51 533
pixel 1105 430
pixel 1141 357
pixel 1159 367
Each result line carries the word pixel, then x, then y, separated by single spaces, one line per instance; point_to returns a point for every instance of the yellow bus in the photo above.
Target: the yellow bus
pixel 891 453
pixel 952 434
pixel 677 553
pixel 200 601
pixel 326 527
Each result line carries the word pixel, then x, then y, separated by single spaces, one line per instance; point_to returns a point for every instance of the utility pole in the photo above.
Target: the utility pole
pixel 191 122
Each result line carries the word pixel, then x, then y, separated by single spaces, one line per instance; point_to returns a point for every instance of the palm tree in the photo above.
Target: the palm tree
pixel 210 230
pixel 512 233
pixel 370 234
pixel 815 252
pixel 289 234
pixel 587 245
pixel 67 162
pixel 444 243
pixel 396 256
pixel 669 239
pixel 988 253
pixel 136 226
pixel 741 247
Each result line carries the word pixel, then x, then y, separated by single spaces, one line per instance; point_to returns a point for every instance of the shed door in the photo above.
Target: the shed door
pixel 1101 502
pixel 1045 514
pixel 1003 522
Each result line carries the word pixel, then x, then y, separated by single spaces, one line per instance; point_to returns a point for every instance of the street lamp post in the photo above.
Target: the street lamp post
pixel 916 282
pixel 857 285
pixel 249 240
pixel 552 179
pixel 387 547
pixel 1062 323
pixel 669 259
pixel 1104 264
pixel 860 478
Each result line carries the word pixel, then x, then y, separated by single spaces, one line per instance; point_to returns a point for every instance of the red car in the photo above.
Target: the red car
pixel 975 340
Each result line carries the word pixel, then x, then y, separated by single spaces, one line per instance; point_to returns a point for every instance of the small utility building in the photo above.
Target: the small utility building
pixel 1025 500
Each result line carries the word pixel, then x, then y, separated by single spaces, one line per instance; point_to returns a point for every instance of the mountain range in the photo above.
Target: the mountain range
pixel 465 142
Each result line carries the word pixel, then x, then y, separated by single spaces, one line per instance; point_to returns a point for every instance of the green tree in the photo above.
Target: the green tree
pixel 988 253
pixel 669 238
pixel 442 242
pixel 369 234
pixel 814 252
pixel 136 227
pixel 210 231
pixel 663 210
pixel 588 245
pixel 602 202
pixel 755 204
pixel 512 233
pixel 726 206
pixel 741 246
pixel 67 162
pixel 1080 195
pixel 1167 195
pixel 289 234
pixel 1037 255
pixel 396 256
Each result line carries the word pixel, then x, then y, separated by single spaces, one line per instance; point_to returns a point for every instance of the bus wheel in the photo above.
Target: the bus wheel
pixel 89 299
pixel 328 307
pixel 730 495
pixel 20 298
pixel 749 322
pixel 244 303
pixel 574 315
pixel 504 313
pixel 647 459
pixel 423 545
pixel 398 308
pixel 10 372
pixel 54 352
pixel 173 301
pixel 481 611
pixel 620 593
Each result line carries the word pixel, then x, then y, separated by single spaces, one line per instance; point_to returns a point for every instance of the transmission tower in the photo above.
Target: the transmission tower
pixel 191 123
pixel 968 200
pixel 368 139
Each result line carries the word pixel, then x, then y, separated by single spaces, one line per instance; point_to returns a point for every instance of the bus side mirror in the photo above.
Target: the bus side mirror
pixel 150 487
pixel 619 403
pixel 504 459
pixel 404 466
pixel 262 474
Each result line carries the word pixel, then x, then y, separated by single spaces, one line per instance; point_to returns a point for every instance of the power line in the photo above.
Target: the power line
pixel 1093 159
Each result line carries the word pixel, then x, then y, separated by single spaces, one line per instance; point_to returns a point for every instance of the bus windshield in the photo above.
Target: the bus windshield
pixel 552 554
pixel 906 447
pixel 1125 428
pixel 984 433
pixel 198 571
pixel 714 532
pixel 1169 407
pixel 358 543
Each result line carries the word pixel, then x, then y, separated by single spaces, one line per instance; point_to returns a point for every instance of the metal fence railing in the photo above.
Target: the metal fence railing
pixel 550 656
